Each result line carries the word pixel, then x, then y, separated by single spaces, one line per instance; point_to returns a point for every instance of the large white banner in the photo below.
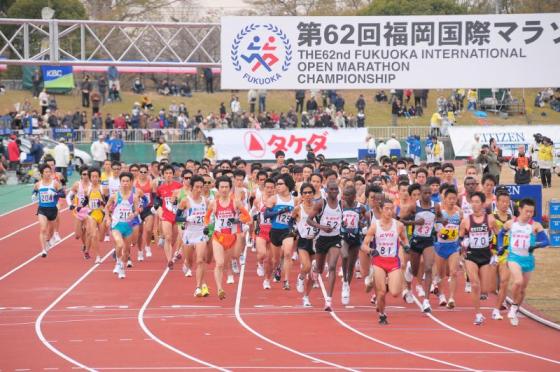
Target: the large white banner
pixel 252 144
pixel 478 51
pixel 508 137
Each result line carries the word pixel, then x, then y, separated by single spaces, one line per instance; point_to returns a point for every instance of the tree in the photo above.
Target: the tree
pixel 4 6
pixel 31 9
pixel 414 7
pixel 132 10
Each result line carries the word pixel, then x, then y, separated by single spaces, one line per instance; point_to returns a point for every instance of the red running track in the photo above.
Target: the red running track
pixel 151 321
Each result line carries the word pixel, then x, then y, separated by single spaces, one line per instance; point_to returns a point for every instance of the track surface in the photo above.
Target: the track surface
pixel 62 313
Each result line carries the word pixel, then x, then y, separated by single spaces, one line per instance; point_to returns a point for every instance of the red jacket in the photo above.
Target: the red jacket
pixel 13 151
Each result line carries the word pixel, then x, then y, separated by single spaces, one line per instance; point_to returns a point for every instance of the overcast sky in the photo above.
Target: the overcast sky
pixel 227 5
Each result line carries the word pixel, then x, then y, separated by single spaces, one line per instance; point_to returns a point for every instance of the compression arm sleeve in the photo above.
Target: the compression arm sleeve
pixel 179 217
pixel 208 216
pixel 500 239
pixel 69 197
pixel 244 215
pixel 541 240
pixel 157 202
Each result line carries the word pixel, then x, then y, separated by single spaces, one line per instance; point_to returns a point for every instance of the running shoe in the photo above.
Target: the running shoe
pixel 221 294
pixel 177 256
pixel 230 279
pixel 373 299
pixel 358 275
pixel 148 251
pixel 426 308
pixel 451 304
pixel 129 263
pixel 140 256
pixel 117 268
pixel 286 285
pixel 277 275
pixel 266 284
pixel 86 255
pixel 442 300
pixel 122 273
pixel 249 241
pixel 408 273
pixel 368 281
pixel 161 242
pixel 407 296
pixel 56 237
pixel 188 273
pixel 434 289
pixel 468 288
pixel 483 296
pixel 294 256
pixel 260 269
pixel 205 290
pixel 328 304
pixel 340 272
pixel 300 284
pixel 503 306
pixel 512 315
pixel 496 314
pixel 43 253
pixel 198 292
pixel 170 265
pixel 315 284
pixel 242 260
pixel 97 260
pixel 479 319
pixel 306 302
pixel 234 266
pixel 107 238
pixel 420 290
pixel 345 293
pixel 383 319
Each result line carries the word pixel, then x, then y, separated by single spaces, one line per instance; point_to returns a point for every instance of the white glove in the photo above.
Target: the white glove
pixel 34 197
pixel 153 210
pixel 494 260
pixel 244 228
pixel 465 243
pixel 365 230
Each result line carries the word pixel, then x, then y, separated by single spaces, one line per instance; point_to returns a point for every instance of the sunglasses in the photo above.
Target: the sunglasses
pixel 187 178
pixel 207 182
pixel 84 174
pixel 143 172
pixel 413 172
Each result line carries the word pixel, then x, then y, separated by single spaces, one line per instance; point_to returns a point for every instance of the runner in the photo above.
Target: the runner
pixel 387 257
pixel 224 210
pixel 279 210
pixel 447 245
pixel 165 203
pixel 306 235
pixel 241 193
pixel 354 219
pixel 501 271
pixel 95 203
pixel 144 184
pixel 525 235
pixel 326 216
pixel 179 248
pixel 75 198
pixel 124 207
pixel 476 234
pixel 192 210
pixel 47 191
pixel 424 214
pixel 262 231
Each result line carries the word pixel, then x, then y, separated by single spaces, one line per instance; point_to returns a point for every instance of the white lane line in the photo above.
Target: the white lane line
pixel 161 342
pixel 33 258
pixel 40 318
pixel 358 332
pixel 17 209
pixel 24 228
pixel 263 337
pixel 482 340
pixel 535 317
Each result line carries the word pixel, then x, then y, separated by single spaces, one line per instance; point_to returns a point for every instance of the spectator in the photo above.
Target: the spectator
pixel 488 161
pixel 109 122
pixel 300 97
pixel 339 102
pixel 435 124
pixel 13 153
pixel 311 106
pixel 546 161
pixel 95 102
pixel 252 100
pixel 162 149
pixel 99 150
pixel 61 156
pixel 475 148
pixel 3 166
pixel 114 94
pixel 147 103
pixel 209 80
pixel 96 123
pixel 137 86
pixel 36 81
pixel 407 95
pixel 360 119
pixel 210 150
pixel 113 77
pixel 119 122
pixel 382 150
pixel 262 100
pixel 472 97
pixel 102 87
pixel 235 106
pixel 53 105
pixel 185 90
pixel 310 157
pixel 414 148
pixel 37 150
pixel 44 101
pixel 395 109
pixel 435 150
pixel 173 88
pixel 381 96
pixel 521 164
pixel 361 103
pixel 116 145
pixel 394 146
pixel 222 110
pixel 86 90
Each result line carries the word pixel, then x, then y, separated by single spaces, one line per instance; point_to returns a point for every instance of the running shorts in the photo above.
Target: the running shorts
pixel 387 264
pixel 503 258
pixel 146 212
pixel 193 236
pixel 264 233
pixel 324 243
pixel 527 263
pixel 444 250
pixel 277 236
pixel 97 215
pixel 50 212
pixel 82 213
pixel 480 257
pixel 124 228
pixel 419 243
pixel 225 239
pixel 305 245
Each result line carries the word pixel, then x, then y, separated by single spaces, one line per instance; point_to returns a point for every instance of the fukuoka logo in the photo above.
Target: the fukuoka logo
pixel 262 53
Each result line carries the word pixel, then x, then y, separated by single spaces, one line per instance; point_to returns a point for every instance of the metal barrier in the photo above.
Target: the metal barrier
pixel 380 133
pixel 172 135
